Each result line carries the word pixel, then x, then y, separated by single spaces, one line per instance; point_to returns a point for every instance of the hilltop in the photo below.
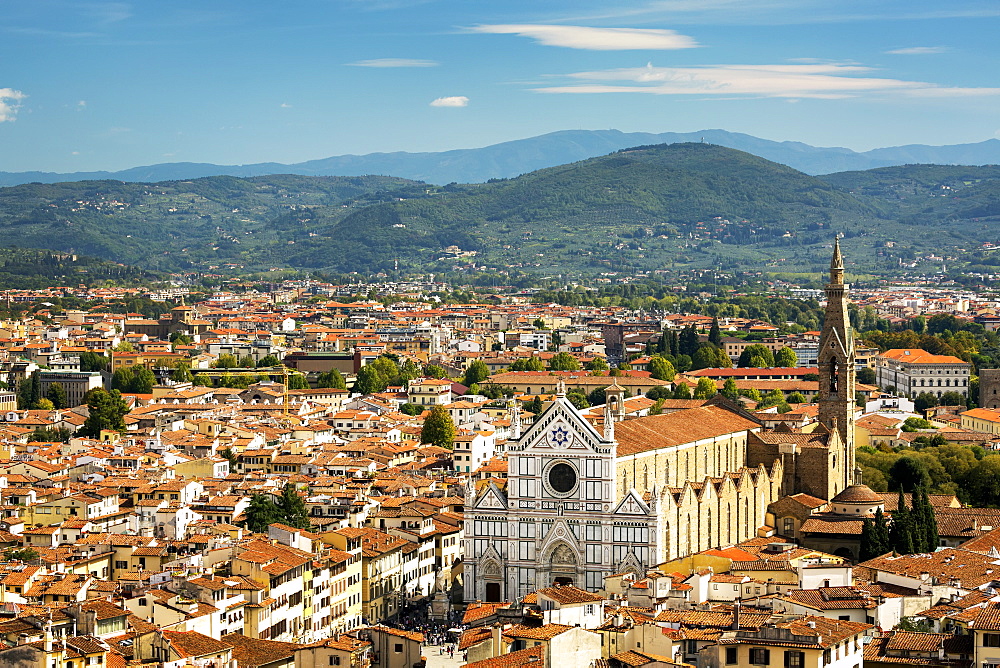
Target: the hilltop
pixel 645 208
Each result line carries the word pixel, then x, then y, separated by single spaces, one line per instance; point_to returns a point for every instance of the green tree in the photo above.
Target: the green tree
pixel 56 435
pixel 29 391
pixel 983 482
pixel 907 474
pixel 44 404
pixel 368 380
pixel 729 390
pixel 268 361
pixel 142 381
pixel 795 398
pixel 435 371
pixel 578 399
pixel 23 554
pixel 951 399
pixel 297 381
pixel 226 361
pixel 535 406
pixel 333 379
pixel 182 373
pixel 57 395
pixel 438 428
pixel 564 362
pixel 107 411
pixel 292 508
pixel 785 357
pixel 476 373
pixel 246 362
pixel 527 364
pixel 688 341
pixel 90 361
pixel 705 389
pixel 261 513
pixel 597 364
pixel 230 456
pixel 773 398
pixel 202 380
pixel 901 533
pixel 756 356
pixel 923 401
pixel 682 391
pixel 661 369
pixel 411 409
pixel 715 334
pixel 866 375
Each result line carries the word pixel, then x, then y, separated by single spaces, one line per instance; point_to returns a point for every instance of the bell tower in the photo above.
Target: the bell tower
pixel 836 375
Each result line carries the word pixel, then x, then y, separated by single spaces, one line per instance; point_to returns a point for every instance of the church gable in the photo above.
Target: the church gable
pixel 632 505
pixel 492 499
pixel 560 429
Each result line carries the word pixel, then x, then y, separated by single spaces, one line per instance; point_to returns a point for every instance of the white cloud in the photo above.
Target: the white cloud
pixel 285 105
pixel 82 104
pixel 455 101
pixel 918 50
pixel 395 62
pixel 820 81
pixel 598 39
pixel 9 103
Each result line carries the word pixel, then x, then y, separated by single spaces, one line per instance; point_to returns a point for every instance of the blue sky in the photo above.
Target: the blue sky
pixel 109 85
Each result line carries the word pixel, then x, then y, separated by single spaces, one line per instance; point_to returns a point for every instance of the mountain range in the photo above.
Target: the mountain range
pixel 509 159
pixel 646 208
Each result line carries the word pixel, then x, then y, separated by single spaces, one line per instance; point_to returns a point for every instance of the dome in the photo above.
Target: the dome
pixel 858 494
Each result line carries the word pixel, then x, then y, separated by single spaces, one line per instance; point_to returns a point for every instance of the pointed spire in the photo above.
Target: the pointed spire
pixel 515 420
pixel 836 263
pixel 609 423
pixel 561 387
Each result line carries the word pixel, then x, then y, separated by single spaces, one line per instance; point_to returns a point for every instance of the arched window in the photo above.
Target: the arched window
pixel 833 375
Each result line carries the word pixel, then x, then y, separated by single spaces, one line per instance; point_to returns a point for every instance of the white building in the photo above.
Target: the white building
pixel 912 371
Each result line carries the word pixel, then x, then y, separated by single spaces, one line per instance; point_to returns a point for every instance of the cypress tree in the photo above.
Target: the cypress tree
pixel 715 334
pixel 880 534
pixel 867 549
pixel 927 522
pixel 902 528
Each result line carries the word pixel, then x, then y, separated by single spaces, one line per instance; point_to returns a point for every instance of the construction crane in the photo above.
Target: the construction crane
pixel 283 370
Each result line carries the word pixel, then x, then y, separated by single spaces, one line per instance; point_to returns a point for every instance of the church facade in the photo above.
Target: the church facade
pixel 582 502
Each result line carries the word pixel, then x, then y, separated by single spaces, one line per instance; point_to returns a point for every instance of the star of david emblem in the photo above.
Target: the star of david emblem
pixel 559 436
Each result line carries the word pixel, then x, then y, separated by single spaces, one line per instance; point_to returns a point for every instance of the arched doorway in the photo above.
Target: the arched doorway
pixel 562 567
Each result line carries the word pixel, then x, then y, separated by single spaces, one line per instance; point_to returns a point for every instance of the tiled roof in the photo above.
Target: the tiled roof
pixel 671 429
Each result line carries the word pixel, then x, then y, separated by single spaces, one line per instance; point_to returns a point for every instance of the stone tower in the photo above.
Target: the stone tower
pixel 989 385
pixel 836 375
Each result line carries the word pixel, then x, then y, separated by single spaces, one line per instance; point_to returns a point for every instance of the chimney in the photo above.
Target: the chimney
pixel 736 616
pixel 47 639
pixel 497 640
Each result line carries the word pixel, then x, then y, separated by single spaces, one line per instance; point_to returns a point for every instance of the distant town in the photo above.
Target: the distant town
pixel 391 474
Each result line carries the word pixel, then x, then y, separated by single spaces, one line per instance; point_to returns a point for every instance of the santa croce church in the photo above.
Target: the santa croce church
pixel 584 499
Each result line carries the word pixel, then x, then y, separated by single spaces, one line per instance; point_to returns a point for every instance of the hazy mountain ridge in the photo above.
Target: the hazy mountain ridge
pixel 509 159
pixel 644 208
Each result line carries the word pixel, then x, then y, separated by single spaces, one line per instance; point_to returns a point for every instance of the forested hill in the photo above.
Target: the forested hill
pixel 636 207
pixel 640 209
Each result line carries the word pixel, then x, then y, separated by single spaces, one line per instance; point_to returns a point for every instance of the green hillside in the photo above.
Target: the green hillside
pixel 659 207
pixel 644 207
pixel 182 224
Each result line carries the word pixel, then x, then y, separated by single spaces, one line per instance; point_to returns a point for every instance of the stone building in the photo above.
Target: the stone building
pixel 912 371
pixel 582 501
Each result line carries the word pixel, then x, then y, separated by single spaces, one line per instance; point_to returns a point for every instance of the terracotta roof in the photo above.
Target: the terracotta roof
pixel 857 494
pixel 685 426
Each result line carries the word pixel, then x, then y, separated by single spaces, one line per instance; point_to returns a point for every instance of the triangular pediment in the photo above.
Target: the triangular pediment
pixel 560 429
pixel 631 505
pixel 492 499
